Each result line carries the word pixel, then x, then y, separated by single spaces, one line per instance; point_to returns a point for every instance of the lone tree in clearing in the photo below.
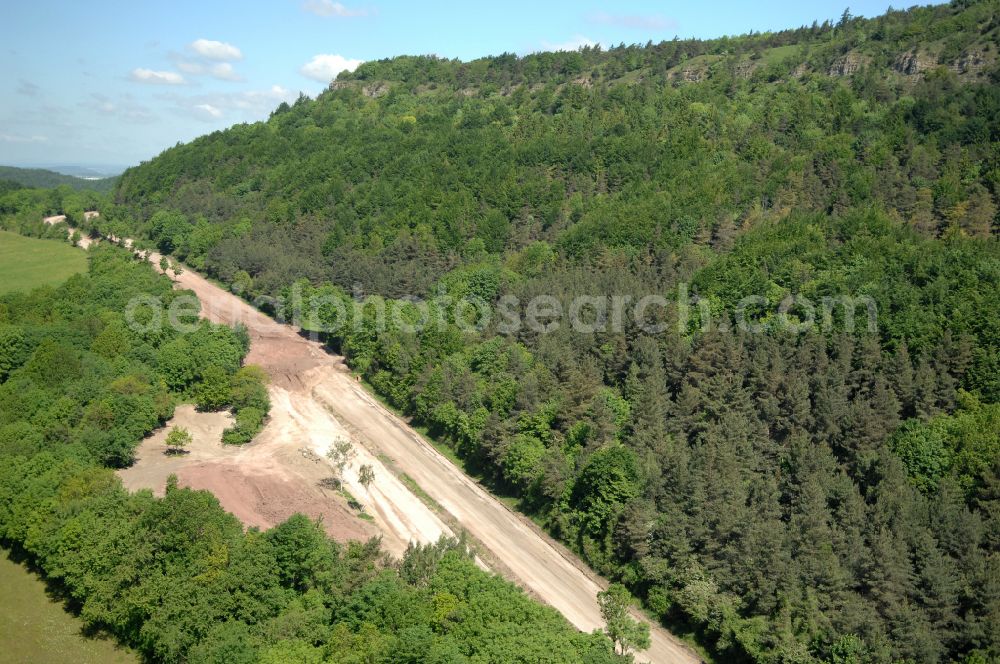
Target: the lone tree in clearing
pixel 177 270
pixel 177 440
pixel 623 630
pixel 366 475
pixel 164 264
pixel 341 454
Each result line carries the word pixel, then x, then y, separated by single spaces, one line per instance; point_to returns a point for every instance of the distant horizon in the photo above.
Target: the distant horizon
pixel 101 171
pixel 128 82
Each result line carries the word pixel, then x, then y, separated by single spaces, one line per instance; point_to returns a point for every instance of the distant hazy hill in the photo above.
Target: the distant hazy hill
pixel 85 171
pixel 39 177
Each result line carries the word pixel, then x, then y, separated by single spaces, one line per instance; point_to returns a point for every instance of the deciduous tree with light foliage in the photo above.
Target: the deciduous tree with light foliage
pixel 177 439
pixel 625 632
pixel 366 475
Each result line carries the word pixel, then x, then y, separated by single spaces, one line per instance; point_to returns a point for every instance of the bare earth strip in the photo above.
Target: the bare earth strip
pixel 315 400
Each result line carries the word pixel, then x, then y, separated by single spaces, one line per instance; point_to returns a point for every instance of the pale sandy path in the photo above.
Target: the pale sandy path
pixel 319 388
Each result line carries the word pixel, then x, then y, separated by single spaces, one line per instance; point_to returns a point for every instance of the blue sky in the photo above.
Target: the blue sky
pixel 102 82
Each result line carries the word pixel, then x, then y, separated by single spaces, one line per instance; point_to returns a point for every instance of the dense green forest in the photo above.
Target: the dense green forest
pixel 178 578
pixel 40 178
pixel 22 209
pixel 826 495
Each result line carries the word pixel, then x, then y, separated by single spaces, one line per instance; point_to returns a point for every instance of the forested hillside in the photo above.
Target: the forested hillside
pixel 22 208
pixel 177 578
pixel 42 178
pixel 830 494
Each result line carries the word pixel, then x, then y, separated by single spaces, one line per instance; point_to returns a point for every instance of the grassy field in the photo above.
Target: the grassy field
pixel 35 628
pixel 778 53
pixel 26 262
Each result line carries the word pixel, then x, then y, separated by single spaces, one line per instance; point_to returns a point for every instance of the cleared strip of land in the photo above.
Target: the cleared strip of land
pixel 315 399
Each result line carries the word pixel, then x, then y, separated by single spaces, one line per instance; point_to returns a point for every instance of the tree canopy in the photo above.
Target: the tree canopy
pixel 806 488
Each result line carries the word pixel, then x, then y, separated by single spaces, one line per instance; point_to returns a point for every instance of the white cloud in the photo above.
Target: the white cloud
pixel 248 105
pixel 160 77
pixel 215 50
pixel 190 67
pixel 15 138
pixel 331 8
pixel 209 111
pixel 324 68
pixel 101 103
pixel 574 44
pixel 224 72
pixel 205 57
pixel 635 22
pixel 255 99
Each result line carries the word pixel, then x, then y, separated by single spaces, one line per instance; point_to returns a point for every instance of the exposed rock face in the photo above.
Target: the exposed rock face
pixel 691 75
pixel 745 69
pixel 912 63
pixel 848 65
pixel 375 90
pixel 800 71
pixel 972 62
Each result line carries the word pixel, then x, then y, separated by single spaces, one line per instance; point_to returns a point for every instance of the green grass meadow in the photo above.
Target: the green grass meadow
pixel 34 627
pixel 27 263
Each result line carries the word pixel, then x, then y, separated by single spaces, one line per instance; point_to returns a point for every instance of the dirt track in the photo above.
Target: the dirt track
pixel 316 400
